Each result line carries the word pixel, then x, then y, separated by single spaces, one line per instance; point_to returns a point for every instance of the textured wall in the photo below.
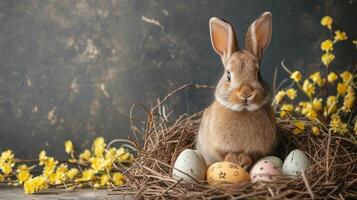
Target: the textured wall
pixel 72 69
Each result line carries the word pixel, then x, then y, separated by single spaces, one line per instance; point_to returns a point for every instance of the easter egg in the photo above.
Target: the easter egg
pixel 295 162
pixel 189 166
pixel 264 170
pixel 273 159
pixel 226 172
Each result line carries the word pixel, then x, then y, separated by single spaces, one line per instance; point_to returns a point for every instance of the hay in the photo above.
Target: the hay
pixel 333 173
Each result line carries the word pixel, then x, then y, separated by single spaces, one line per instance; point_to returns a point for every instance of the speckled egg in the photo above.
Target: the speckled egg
pixel 296 162
pixel 189 166
pixel 273 159
pixel 265 170
pixel 226 172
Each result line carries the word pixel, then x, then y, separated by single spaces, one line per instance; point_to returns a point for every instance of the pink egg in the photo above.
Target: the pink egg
pixel 264 170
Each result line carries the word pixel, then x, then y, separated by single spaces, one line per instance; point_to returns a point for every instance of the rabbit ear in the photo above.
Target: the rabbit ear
pixel 223 37
pixel 259 35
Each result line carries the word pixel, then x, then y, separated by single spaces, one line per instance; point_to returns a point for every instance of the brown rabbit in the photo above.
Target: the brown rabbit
pixel 239 126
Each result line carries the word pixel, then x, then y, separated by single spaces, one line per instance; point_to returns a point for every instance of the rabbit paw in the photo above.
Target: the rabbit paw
pixel 241 159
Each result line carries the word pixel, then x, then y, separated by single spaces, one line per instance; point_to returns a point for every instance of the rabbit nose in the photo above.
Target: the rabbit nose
pixel 246 92
pixel 246 96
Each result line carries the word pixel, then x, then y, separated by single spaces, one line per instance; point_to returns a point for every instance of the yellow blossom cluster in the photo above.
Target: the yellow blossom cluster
pixel 36 184
pixel 96 168
pixel 7 162
pixel 327 46
pixel 329 96
pixel 337 126
pixel 316 108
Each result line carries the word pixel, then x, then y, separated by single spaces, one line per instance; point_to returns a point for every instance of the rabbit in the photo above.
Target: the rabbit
pixel 239 126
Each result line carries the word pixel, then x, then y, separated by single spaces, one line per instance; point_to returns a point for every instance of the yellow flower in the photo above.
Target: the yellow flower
pixel 68 146
pixel 110 154
pixel 60 175
pixel 341 88
pixel 355 43
pixel 96 163
pixel 327 58
pixel 355 128
pixel 99 164
pixel 6 168
pixel 87 175
pixel 286 109
pixel 308 88
pixel 337 126
pixel 99 146
pixel 291 93
pixel 104 180
pixel 299 127
pixel 327 21
pixel 331 100
pixel 123 155
pixel 36 184
pixel 327 45
pixel 332 77
pixel 331 105
pixel 311 114
pixel 85 155
pixel 316 77
pixel 7 162
pixel 304 107
pixel 346 76
pixel 315 131
pixel 279 96
pixel 348 100
pixel 307 109
pixel 118 179
pixel 23 173
pixel 50 166
pixel 340 35
pixel 72 173
pixel 7 155
pixel 42 157
pixel 296 76
pixel 317 104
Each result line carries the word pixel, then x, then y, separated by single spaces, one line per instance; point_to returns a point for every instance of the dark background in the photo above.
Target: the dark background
pixel 72 69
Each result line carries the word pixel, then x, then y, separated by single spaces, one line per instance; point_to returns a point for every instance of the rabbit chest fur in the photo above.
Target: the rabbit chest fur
pixel 223 131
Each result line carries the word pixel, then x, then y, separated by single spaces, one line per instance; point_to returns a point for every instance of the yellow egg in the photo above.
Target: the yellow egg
pixel 226 172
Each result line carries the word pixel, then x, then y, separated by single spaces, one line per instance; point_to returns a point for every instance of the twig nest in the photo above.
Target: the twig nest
pixel 265 170
pixel 189 166
pixel 296 162
pixel 226 172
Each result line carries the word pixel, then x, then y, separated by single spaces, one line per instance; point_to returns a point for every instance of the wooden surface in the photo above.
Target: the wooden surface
pixel 15 193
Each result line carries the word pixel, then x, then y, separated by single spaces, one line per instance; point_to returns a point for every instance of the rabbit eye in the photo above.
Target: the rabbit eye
pixel 228 76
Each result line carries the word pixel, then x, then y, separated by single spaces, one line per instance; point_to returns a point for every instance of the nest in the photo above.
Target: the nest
pixel 333 173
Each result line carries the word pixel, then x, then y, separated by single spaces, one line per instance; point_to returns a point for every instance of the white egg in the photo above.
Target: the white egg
pixel 274 159
pixel 296 162
pixel 189 166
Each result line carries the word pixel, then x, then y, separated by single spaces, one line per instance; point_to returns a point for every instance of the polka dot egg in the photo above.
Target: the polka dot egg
pixel 264 170
pixel 226 172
